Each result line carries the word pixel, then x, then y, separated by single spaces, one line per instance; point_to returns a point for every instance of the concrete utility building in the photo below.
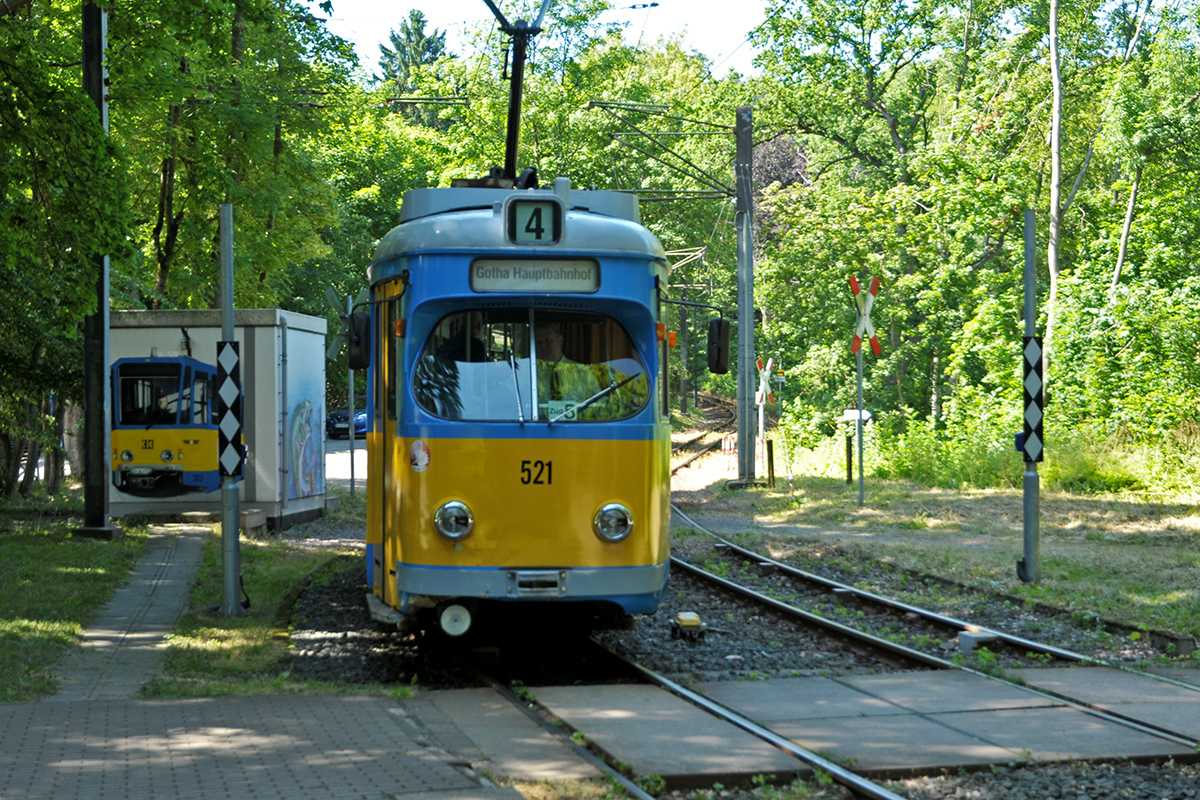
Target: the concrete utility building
pixel 283 389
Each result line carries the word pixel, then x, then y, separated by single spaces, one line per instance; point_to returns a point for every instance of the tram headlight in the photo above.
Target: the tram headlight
pixel 127 456
pixel 167 455
pixel 613 522
pixel 453 520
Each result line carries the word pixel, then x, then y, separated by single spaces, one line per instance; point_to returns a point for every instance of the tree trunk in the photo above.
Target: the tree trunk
pixel 164 249
pixel 33 452
pixel 9 464
pixel 73 437
pixel 54 455
pixel 1055 193
pixel 1133 193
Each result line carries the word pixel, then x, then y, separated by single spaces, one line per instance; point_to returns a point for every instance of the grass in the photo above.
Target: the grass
pixel 52 584
pixel 211 653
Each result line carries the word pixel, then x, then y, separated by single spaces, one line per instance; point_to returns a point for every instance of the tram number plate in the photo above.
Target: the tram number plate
pixel 534 222
pixel 538 473
pixel 147 444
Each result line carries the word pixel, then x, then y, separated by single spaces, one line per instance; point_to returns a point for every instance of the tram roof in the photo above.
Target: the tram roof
pixel 469 218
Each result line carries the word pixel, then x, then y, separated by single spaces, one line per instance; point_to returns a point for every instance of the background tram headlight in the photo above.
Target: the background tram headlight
pixel 127 456
pixel 613 522
pixel 453 520
pixel 167 455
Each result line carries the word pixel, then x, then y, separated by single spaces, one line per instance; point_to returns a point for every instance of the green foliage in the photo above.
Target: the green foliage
pixel 900 141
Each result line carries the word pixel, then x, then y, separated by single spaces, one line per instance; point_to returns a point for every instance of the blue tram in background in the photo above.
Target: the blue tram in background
pixel 164 438
pixel 519 432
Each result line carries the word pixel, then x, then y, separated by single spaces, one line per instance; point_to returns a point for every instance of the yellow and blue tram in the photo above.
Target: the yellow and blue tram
pixel 519 433
pixel 164 438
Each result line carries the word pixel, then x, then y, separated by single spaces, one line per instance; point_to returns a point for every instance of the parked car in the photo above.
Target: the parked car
pixel 337 424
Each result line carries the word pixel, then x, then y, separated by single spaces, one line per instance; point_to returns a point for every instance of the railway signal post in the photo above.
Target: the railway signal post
pixel 763 396
pixel 229 427
pixel 863 329
pixel 1033 442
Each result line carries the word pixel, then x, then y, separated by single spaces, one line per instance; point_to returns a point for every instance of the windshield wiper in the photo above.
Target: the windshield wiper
pixel 600 395
pixel 516 387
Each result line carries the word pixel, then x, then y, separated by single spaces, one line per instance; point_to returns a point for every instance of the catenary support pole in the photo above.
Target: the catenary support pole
pixel 97 394
pixel 747 378
pixel 231 555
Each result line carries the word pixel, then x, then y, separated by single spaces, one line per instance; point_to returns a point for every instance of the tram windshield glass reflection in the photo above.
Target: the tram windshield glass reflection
pixel 149 394
pixel 501 364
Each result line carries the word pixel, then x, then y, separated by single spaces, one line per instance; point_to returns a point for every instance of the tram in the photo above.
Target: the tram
pixel 164 439
pixel 519 432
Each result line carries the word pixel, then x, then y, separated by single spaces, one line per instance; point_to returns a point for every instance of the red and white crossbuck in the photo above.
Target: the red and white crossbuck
pixel 865 327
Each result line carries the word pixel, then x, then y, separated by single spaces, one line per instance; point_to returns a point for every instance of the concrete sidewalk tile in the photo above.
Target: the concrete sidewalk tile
pixel 935 691
pixel 1058 734
pixel 1181 717
pixel 514 745
pixel 658 733
pixel 1105 684
pixel 1181 674
pixel 892 742
pixel 794 698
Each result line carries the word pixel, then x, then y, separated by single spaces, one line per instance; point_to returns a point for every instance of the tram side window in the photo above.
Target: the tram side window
pixel 201 392
pixel 391 371
pixel 522 364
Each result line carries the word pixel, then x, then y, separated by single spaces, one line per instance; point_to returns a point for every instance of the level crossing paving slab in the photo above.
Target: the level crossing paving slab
pixel 281 747
pixel 920 721
pixel 495 736
pixel 657 733
pixel 934 691
pixel 1144 699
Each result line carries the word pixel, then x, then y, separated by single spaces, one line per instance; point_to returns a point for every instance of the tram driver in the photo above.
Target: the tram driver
pixel 562 381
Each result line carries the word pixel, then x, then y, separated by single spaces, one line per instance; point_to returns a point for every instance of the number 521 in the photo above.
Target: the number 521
pixel 537 472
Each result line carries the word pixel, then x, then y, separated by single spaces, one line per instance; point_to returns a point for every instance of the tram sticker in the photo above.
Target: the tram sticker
pixel 579 275
pixel 418 456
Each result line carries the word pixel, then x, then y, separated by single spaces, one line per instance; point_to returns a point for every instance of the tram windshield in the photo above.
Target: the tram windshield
pixel 149 394
pixel 500 365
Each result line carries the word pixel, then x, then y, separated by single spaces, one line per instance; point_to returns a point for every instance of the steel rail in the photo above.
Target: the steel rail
pixel 508 694
pixel 1103 713
pixel 839 773
pixel 896 605
pixel 707 448
pixel 835 629
pixel 842 632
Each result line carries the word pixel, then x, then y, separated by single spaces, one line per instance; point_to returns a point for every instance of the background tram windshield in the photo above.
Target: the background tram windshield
pixel 150 394
pixel 499 364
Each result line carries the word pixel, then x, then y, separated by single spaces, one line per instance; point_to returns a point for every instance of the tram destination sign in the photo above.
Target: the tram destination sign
pixel 548 275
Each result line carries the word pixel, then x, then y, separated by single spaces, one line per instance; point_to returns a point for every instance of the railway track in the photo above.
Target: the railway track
pixel 720 676
pixel 691 449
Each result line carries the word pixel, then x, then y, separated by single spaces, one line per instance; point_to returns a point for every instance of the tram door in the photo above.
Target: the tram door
pixel 384 506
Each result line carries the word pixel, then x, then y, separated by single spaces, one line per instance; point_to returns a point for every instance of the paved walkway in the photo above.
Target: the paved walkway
pixel 124 646
pixel 96 740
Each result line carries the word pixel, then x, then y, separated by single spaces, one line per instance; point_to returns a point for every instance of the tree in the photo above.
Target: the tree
pixel 412 48
pixel 62 200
